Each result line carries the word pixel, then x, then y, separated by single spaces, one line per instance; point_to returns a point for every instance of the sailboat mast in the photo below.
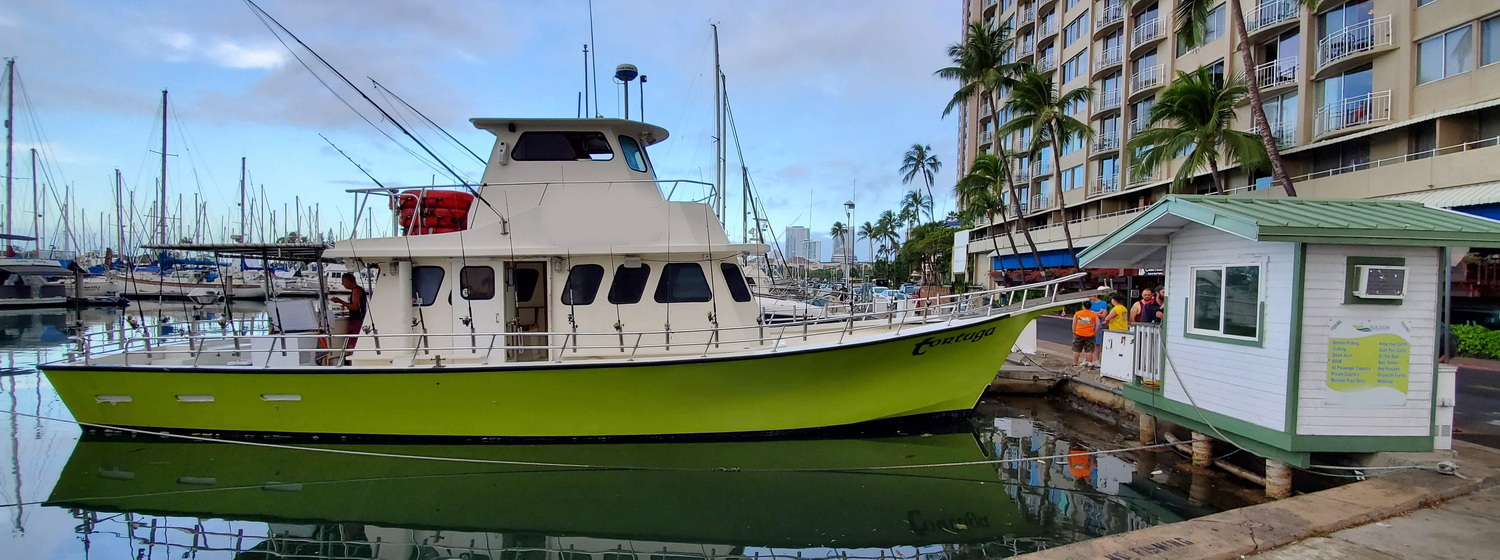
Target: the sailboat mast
pixel 10 136
pixel 162 200
pixel 719 186
pixel 36 213
pixel 242 200
pixel 119 214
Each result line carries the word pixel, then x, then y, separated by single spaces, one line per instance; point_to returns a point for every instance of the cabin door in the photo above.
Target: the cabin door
pixel 478 307
pixel 526 310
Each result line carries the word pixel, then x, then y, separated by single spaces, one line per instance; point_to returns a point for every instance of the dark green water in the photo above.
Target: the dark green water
pixel 65 494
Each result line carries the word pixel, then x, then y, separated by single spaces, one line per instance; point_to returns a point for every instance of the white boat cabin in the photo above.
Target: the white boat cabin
pixel 570 233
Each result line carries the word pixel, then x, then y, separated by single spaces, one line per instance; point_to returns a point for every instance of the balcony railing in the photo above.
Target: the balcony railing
pixel 1277 73
pixel 1040 202
pixel 1146 31
pixel 1139 124
pixel 1047 61
pixel 1028 46
pixel 1284 133
pixel 1106 141
pixel 1109 14
pixel 1362 37
pixel 1109 56
pixel 1108 99
pixel 985 110
pixel 1040 168
pixel 1104 185
pixel 1148 78
pixel 1138 177
pixel 1271 13
pixel 986 137
pixel 1047 27
pixel 1490 142
pixel 1022 175
pixel 1025 15
pixel 1353 112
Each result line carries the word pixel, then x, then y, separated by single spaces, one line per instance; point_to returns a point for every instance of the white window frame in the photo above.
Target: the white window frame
pixel 1190 313
pixel 1479 44
pixel 1442 38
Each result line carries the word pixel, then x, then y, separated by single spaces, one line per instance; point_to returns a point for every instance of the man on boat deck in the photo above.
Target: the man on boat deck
pixel 356 305
pixel 1085 324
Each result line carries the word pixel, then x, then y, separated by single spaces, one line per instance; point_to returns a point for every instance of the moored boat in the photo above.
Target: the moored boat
pixel 572 298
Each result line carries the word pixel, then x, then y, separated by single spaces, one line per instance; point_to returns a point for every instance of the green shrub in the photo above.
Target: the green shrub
pixel 1477 341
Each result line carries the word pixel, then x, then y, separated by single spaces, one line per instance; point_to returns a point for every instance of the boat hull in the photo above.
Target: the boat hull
pixel 932 369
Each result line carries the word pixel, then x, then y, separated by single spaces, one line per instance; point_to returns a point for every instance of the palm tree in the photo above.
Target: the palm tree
pixel 913 205
pixel 920 160
pixel 980 68
pixel 868 232
pixel 1037 105
pixel 982 192
pixel 1195 116
pixel 837 232
pixel 889 224
pixel 1192 24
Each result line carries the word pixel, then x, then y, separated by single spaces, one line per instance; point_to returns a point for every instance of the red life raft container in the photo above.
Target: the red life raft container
pixel 432 211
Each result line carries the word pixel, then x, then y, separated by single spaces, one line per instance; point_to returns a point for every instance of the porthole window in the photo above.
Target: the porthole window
pixel 736 280
pixel 583 284
pixel 425 282
pixel 629 284
pixel 683 283
pixel 476 282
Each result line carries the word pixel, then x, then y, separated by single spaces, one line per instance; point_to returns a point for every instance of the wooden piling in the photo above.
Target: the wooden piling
pixel 1278 479
pixel 1147 428
pixel 1203 450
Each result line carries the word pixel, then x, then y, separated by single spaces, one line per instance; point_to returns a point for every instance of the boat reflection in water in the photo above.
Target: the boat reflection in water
pixel 734 499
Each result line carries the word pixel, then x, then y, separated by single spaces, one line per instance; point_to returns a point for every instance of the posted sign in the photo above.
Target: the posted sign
pixel 1369 362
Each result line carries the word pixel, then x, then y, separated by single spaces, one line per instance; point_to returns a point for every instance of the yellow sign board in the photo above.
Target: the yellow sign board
pixel 1369 362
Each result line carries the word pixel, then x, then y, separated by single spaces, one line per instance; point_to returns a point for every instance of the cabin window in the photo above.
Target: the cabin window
pixel 583 284
pixel 525 281
pixel 634 157
pixel 562 146
pixel 1226 301
pixel 683 283
pixel 476 282
pixel 425 282
pixel 629 284
pixel 736 280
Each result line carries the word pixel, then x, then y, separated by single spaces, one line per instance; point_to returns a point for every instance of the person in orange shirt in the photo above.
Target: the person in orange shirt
pixel 1085 324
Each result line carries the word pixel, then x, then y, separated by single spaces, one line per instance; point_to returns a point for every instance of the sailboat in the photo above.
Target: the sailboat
pixel 564 296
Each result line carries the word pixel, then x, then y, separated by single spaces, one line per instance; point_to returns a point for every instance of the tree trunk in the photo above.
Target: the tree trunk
pixel 1016 200
pixel 930 198
pixel 1014 197
pixel 1257 103
pixel 1057 190
pixel 1218 176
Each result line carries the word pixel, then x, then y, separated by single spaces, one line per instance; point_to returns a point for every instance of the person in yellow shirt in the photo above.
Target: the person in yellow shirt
pixel 1117 318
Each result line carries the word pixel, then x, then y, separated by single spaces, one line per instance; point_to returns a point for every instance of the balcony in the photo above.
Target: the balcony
pixel 1028 46
pixel 985 110
pixel 1108 14
pixel 1285 134
pixel 1047 61
pixel 1040 203
pixel 1107 99
pixel 1022 175
pixel 986 137
pixel 1105 142
pixel 1349 43
pixel 1025 15
pixel 1353 112
pixel 1269 15
pixel 1148 79
pixel 1106 58
pixel 1104 185
pixel 1140 124
pixel 1048 27
pixel 1140 177
pixel 1041 168
pixel 1147 31
pixel 1277 73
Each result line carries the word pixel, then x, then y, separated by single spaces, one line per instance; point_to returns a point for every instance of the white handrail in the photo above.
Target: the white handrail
pixel 1355 39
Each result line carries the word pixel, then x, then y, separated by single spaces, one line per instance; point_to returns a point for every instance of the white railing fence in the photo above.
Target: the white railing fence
pixel 1148 353
pixel 1355 39
pixel 1353 111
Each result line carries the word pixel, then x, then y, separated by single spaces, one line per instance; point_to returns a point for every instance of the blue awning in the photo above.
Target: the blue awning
pixel 1053 258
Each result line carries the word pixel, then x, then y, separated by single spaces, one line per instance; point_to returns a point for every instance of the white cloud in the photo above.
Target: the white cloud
pixel 178 40
pixel 231 55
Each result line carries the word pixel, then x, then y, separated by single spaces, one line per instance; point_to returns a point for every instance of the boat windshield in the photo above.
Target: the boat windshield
pixel 562 146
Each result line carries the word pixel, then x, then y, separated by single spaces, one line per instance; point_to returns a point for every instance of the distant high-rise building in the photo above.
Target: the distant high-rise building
pixel 796 242
pixel 812 250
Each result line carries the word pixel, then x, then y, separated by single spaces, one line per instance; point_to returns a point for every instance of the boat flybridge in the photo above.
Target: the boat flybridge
pixel 566 295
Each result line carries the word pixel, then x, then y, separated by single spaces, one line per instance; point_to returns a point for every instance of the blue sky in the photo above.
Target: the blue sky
pixel 827 95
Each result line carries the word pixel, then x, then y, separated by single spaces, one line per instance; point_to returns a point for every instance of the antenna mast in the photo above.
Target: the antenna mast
pixel 720 199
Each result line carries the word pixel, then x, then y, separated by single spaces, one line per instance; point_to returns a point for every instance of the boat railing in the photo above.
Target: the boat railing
pixel 668 187
pixel 255 345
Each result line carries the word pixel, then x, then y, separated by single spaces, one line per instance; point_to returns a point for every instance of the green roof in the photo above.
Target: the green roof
pixel 1342 222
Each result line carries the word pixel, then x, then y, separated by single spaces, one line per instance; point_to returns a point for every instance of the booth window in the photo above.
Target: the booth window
pixel 736 280
pixel 476 282
pixel 683 283
pixel 1226 301
pixel 629 284
pixel 425 281
pixel 583 284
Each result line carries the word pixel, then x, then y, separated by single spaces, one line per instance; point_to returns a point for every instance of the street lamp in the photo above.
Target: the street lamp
pixel 848 249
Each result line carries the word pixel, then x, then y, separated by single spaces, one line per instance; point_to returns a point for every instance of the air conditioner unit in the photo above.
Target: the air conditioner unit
pixel 1381 282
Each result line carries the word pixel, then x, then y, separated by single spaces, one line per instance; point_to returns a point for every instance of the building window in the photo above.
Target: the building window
pixel 1071 4
pixel 1216 70
pixel 425 282
pixel 1445 55
pixel 629 284
pixel 1076 66
pixel 1226 301
pixel 1489 41
pixel 1073 178
pixel 476 282
pixel 1076 29
pixel 683 283
pixel 738 289
pixel 1213 28
pixel 583 284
